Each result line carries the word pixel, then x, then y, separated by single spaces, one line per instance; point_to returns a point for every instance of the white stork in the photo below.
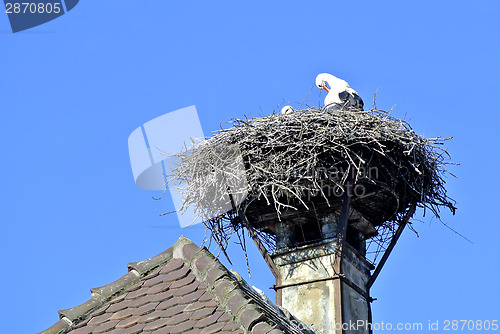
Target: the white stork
pixel 340 95
pixel 287 110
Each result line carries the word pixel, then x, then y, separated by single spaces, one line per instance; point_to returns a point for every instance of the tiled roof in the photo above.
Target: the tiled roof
pixel 182 290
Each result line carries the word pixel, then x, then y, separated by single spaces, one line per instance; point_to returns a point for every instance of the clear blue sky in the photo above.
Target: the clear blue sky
pixel 73 90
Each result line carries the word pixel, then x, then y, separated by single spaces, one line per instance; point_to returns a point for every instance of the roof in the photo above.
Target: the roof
pixel 182 290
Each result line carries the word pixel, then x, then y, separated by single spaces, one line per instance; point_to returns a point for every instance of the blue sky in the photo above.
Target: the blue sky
pixel 72 91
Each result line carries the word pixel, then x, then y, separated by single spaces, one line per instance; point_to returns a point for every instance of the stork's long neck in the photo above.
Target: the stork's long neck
pixel 336 86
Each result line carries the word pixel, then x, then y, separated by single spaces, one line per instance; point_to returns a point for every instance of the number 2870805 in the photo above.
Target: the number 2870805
pixel 32 8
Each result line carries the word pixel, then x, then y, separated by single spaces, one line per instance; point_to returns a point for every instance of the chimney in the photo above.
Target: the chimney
pixel 322 282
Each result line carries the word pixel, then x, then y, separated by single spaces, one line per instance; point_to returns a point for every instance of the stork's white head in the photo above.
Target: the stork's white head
pixel 287 110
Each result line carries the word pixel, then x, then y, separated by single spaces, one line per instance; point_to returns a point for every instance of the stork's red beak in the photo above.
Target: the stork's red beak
pixel 325 88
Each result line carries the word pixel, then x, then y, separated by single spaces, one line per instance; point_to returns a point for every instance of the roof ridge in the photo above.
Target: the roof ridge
pixel 227 290
pixel 276 313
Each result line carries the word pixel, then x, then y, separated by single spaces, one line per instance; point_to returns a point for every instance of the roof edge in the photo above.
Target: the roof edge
pixel 101 295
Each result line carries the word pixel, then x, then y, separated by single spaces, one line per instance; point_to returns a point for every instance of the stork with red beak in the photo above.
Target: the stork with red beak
pixel 340 95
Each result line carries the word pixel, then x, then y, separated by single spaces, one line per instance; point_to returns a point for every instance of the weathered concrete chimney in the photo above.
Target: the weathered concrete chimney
pixel 323 280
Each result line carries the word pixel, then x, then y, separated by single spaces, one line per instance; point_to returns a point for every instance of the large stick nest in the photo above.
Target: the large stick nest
pixel 295 161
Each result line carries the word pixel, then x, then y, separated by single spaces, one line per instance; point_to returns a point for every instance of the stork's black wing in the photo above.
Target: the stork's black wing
pixel 359 102
pixel 351 100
